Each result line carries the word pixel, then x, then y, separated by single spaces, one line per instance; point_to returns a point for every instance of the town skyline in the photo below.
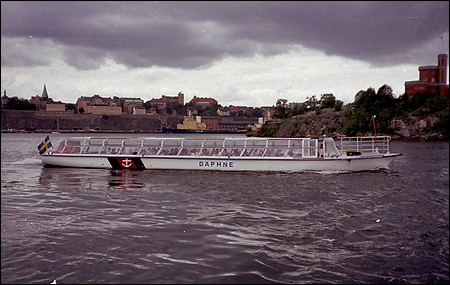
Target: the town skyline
pixel 236 52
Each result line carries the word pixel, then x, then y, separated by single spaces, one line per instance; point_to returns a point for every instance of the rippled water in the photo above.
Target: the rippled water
pixel 104 226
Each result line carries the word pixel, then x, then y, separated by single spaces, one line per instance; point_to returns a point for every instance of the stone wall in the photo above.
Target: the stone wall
pixel 36 120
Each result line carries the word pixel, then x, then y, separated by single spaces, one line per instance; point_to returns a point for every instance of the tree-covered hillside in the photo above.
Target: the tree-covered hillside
pixel 370 109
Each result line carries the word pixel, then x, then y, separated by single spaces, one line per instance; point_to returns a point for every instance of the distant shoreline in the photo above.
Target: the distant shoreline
pixel 394 138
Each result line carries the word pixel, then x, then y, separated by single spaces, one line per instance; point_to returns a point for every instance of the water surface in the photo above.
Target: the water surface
pixel 105 226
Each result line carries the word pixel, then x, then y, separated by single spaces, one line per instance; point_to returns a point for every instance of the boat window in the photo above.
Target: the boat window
pixel 295 152
pixel 274 152
pixel 256 143
pixel 85 150
pixel 95 142
pixel 192 143
pixel 60 146
pixel 235 143
pixel 172 142
pixel 169 151
pixel 213 143
pixel 296 143
pixel 184 151
pixel 149 150
pixel 254 152
pixel 289 153
pixel 88 145
pixel 246 152
pixel 152 142
pixel 193 151
pixel 113 142
pixel 72 149
pixel 174 151
pixel 110 150
pixel 76 149
pixel 278 143
pixel 91 150
pixel 255 147
pixel 132 142
pixel 164 151
pixel 73 145
pixel 130 150
pixel 209 151
pixel 232 152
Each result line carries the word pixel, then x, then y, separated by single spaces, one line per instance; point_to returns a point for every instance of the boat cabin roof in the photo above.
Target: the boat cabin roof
pixel 304 147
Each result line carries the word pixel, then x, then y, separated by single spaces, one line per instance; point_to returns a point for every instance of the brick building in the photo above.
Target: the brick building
pixel 56 107
pixel 204 102
pixel 166 100
pixel 432 79
pixel 129 104
pixel 96 100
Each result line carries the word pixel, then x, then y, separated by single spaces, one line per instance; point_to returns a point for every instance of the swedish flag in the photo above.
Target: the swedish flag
pixel 46 144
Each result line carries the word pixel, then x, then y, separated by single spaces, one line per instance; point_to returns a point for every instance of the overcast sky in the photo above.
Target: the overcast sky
pixel 240 53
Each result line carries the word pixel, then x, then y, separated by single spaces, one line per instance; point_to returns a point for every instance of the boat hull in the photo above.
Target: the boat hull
pixel 356 163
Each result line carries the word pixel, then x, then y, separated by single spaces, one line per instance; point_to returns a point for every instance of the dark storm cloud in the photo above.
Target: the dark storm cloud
pixel 196 34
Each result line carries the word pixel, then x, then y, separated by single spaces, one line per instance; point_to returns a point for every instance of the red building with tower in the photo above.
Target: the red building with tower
pixel 432 79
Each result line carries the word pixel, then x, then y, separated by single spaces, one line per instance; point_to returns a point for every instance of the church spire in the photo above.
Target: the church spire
pixel 44 93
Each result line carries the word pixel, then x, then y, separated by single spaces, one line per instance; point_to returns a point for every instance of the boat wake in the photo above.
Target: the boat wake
pixel 26 161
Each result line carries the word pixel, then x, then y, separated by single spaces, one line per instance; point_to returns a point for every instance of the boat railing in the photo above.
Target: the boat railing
pixel 371 145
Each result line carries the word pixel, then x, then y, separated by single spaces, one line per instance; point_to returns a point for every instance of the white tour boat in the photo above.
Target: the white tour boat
pixel 224 154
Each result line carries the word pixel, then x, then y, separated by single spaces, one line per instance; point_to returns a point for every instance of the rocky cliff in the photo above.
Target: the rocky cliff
pixel 329 123
pixel 312 125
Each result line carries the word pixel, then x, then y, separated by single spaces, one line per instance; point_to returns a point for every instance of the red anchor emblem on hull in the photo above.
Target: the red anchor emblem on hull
pixel 126 163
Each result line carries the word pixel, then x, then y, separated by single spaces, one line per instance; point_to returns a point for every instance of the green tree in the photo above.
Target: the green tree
pixel 338 105
pixel 312 103
pixel 179 108
pixel 443 125
pixel 299 110
pixel 436 103
pixel 15 103
pixel 282 110
pixel 327 101
pixel 369 103
pixel 212 109
pixel 72 107
pixel 402 103
pixel 257 112
pixel 418 100
pixel 267 131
